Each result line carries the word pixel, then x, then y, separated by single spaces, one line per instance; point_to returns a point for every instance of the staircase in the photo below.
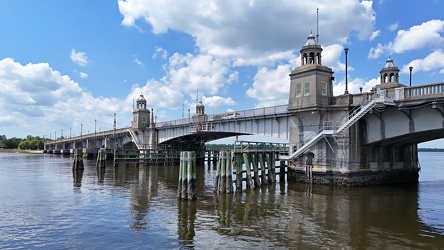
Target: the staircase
pixel 352 119
pixel 134 139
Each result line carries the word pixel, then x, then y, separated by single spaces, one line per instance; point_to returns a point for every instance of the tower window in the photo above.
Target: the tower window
pixel 143 119
pixel 306 88
pixel 298 90
pixel 324 88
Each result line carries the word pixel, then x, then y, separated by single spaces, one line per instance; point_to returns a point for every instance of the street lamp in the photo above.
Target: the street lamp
pixel 81 127
pixel 410 68
pixel 346 74
pixel 69 132
pixel 95 126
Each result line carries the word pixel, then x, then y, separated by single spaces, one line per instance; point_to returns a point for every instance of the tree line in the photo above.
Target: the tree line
pixel 30 142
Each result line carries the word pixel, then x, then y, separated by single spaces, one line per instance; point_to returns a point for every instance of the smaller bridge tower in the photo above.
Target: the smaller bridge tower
pixel 143 129
pixel 141 115
pixel 200 115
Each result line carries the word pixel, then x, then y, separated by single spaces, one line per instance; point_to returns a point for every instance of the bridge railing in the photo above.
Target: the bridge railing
pixel 266 111
pixel 249 146
pixel 90 135
pixel 418 91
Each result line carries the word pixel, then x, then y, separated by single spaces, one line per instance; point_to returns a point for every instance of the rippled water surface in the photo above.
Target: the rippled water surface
pixel 44 204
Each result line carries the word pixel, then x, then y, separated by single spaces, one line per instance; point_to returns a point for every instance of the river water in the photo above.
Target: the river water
pixel 44 204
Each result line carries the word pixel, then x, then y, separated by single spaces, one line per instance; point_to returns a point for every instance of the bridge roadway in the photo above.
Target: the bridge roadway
pixel 417 115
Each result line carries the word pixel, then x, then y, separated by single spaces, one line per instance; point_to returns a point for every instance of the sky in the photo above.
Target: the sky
pixel 70 65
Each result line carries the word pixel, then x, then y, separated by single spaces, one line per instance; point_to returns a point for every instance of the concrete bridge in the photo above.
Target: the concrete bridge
pixel 350 139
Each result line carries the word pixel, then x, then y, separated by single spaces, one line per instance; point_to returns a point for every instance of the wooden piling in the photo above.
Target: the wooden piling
pixel 179 186
pixel 191 173
pixel 282 171
pixel 78 159
pixel 269 165
pixel 238 165
pixel 254 160
pixel 101 158
pixel 184 195
pixel 223 177
pixel 263 167
pixel 250 182
pixel 217 179
pixel 229 172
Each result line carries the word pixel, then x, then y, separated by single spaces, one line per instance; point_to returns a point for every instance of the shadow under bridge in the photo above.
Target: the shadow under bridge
pixel 196 141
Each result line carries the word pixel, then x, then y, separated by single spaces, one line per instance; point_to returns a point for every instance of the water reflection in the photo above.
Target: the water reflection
pixel 77 175
pixel 186 222
pixel 277 215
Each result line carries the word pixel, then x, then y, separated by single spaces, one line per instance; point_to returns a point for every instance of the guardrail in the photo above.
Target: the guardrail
pixel 90 135
pixel 420 90
pixel 275 110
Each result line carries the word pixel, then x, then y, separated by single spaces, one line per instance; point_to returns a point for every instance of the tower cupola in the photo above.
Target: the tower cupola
pixel 311 52
pixel 389 73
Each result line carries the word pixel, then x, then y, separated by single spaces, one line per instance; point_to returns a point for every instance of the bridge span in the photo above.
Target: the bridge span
pixel 350 139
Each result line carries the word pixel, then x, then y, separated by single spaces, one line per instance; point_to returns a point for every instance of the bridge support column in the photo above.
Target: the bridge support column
pixel 372 165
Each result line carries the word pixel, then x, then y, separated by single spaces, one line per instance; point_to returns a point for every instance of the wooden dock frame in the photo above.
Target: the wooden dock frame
pixel 130 155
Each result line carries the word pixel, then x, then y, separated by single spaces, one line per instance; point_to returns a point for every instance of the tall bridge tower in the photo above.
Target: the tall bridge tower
pixel 142 125
pixel 329 140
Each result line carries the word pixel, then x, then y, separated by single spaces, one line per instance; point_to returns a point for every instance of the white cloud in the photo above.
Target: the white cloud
pixel 138 62
pixel 160 52
pixel 216 101
pixel 240 30
pixel 79 58
pixel 354 86
pixel 333 56
pixel 393 27
pixel 425 35
pixel 433 61
pixel 83 75
pixel 271 86
pixel 188 73
pixel 375 34
pixel 38 100
pixel 380 49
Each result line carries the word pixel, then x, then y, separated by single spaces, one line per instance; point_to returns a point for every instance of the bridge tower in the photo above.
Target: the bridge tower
pixel 329 134
pixel 311 92
pixel 143 126
pixel 141 115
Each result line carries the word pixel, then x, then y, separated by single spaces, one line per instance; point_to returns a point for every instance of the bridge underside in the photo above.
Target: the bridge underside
pixel 411 138
pixel 196 141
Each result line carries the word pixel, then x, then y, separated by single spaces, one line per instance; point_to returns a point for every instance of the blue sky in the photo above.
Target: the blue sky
pixel 66 63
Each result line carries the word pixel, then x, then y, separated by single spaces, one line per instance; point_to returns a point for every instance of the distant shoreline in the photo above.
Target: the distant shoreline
pixel 15 150
pixel 430 149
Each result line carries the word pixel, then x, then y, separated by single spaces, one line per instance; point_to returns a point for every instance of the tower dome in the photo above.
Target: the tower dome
pixel 141 102
pixel 389 73
pixel 311 52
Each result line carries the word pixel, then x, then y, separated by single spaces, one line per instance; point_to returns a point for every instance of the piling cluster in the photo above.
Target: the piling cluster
pixel 187 176
pixel 259 168
pixel 224 173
